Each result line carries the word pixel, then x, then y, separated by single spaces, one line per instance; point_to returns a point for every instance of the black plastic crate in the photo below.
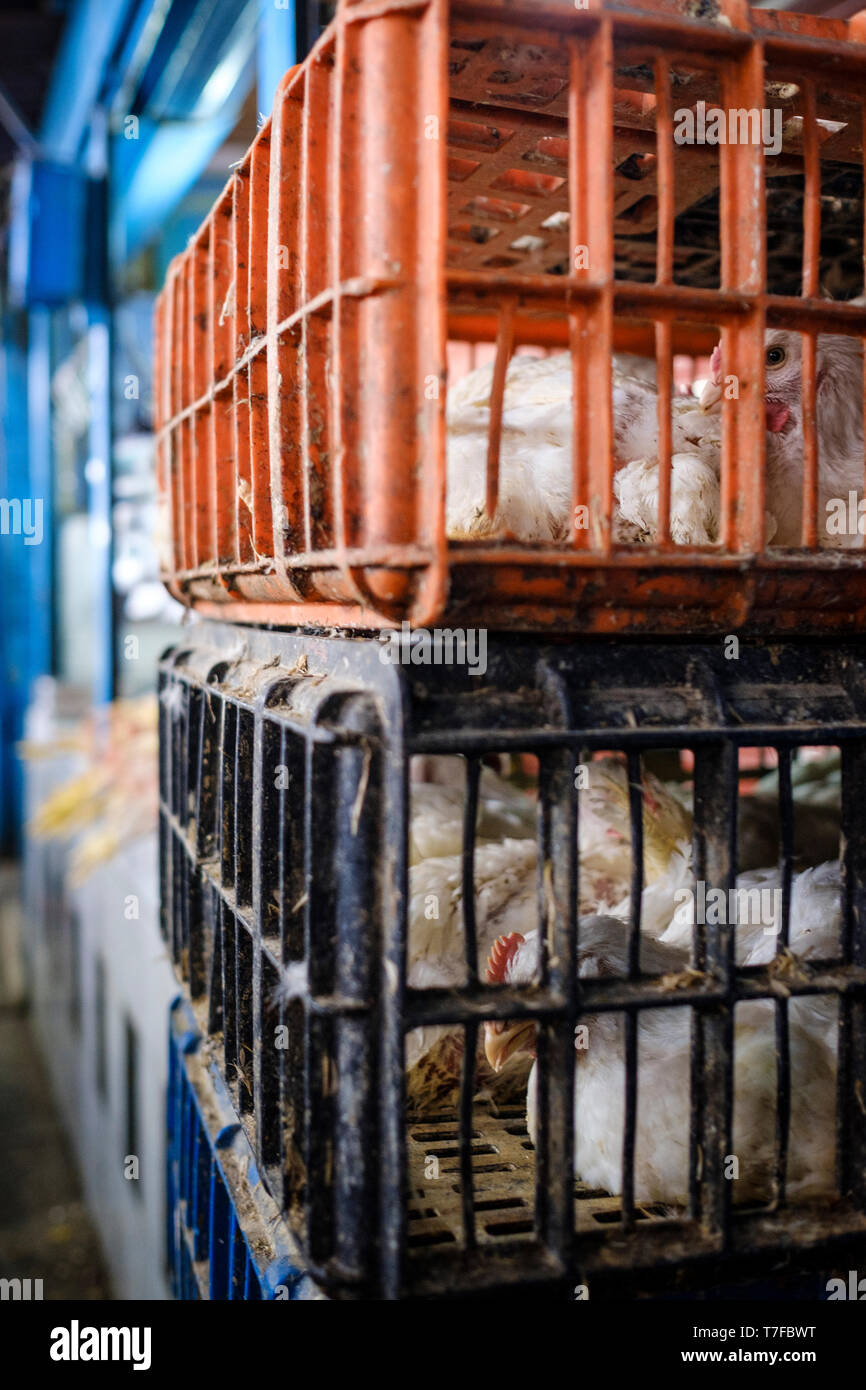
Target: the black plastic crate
pixel 285 777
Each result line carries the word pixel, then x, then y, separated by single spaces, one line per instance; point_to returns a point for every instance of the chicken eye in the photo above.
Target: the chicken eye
pixel 776 356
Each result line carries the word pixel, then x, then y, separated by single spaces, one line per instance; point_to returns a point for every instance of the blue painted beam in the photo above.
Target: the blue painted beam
pixel 92 32
pixel 191 110
pixel 170 159
pixel 135 54
pixel 56 234
pixel 277 47
pixel 14 559
pixel 25 559
pixel 98 474
pixel 40 480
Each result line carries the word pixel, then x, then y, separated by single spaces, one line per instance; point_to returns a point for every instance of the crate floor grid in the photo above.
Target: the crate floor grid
pixel 290 900
pixel 503 1165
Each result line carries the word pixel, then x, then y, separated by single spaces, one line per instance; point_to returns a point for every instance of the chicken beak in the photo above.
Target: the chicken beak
pixel 503 1040
pixel 710 396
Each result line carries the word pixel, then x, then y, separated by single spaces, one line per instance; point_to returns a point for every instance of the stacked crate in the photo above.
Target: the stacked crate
pixel 307 882
pixel 424 179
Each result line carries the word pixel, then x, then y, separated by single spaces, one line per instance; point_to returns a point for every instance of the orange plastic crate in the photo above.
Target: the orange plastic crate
pixel 301 337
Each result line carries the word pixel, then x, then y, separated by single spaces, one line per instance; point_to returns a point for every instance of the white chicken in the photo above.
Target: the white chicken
pixel 668 899
pixel 505 899
pixel 535 469
pixel 663 1106
pixel 506 888
pixel 695 500
pixel 839 414
pixel 668 865
pixel 604 839
pixel 815 914
pixel 506 891
pixel 668 907
pixel 535 466
pixel 436 815
pixel 814 932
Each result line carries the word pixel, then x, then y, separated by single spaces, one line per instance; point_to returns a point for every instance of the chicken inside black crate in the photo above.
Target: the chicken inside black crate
pixel 511 450
pixel 785 908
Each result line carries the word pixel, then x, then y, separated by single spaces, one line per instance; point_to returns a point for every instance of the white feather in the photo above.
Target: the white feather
pixel 535 462
pixel 664 1070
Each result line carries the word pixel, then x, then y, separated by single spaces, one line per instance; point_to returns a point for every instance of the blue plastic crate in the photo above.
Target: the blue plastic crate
pixel 225 1237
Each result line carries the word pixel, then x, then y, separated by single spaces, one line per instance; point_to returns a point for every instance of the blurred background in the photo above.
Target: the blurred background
pixel 119 123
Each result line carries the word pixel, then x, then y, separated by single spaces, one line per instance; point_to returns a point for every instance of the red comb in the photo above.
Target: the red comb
pixel 502 953
pixel 716 362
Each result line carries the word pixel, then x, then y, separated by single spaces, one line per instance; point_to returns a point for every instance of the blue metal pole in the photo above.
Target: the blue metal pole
pixel 277 47
pixel 99 471
pixel 99 488
pixel 88 41
pixel 40 482
pixel 25 546
pixel 13 571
